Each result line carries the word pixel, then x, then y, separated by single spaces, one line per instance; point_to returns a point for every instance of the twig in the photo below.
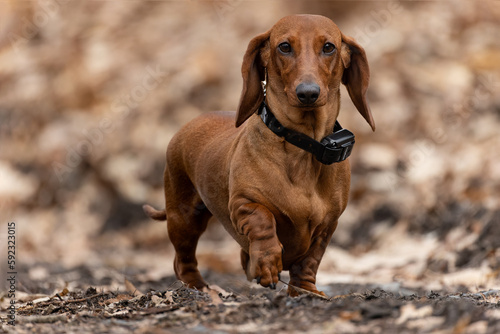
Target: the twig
pixel 176 282
pixel 85 299
pixel 305 291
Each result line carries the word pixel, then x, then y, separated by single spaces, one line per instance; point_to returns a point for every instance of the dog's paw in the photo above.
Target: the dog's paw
pixel 265 264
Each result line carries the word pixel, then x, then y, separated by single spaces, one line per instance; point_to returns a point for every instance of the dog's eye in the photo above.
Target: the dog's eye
pixel 285 48
pixel 328 48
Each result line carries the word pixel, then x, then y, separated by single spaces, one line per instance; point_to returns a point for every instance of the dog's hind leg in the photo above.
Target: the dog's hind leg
pixel 187 219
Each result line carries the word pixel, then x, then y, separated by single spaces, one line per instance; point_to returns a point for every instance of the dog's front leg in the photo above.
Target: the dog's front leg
pixel 258 225
pixel 303 272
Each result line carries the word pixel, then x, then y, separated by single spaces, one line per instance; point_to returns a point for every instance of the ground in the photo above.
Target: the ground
pixel 168 306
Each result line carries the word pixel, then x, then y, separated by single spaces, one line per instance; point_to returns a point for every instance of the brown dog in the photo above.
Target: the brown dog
pixel 275 199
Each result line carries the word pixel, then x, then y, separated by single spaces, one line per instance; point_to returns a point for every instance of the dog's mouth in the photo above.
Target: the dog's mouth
pixel 308 107
pixel 311 107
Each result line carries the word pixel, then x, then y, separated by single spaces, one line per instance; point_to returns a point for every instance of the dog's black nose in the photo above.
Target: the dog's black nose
pixel 307 93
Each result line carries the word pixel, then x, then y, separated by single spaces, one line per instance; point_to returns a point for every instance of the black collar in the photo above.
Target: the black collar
pixel 335 147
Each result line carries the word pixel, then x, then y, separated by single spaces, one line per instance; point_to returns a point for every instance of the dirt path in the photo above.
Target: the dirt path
pixel 242 307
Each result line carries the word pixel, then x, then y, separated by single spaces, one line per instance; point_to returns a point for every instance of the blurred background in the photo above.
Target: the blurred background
pixel 92 91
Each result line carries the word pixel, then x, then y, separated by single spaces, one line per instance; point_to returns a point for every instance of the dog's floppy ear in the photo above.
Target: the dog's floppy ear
pixel 356 76
pixel 253 72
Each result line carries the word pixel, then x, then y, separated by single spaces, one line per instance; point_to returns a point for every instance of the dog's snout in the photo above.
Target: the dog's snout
pixel 307 93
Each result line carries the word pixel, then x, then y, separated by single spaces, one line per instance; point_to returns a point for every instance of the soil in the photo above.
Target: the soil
pixel 167 306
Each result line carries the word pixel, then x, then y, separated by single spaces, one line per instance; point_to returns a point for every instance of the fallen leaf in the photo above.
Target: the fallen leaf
pixel 156 300
pixel 168 297
pixel 117 299
pixel 214 295
pixel 132 289
pixel 410 311
pixel 351 315
pixel 220 290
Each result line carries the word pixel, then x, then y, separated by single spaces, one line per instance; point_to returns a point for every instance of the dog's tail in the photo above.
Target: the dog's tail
pixel 153 213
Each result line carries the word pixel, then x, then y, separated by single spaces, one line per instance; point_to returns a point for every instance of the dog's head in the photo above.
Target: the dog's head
pixel 306 57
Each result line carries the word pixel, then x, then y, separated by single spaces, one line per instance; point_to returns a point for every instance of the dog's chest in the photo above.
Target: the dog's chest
pixel 305 208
